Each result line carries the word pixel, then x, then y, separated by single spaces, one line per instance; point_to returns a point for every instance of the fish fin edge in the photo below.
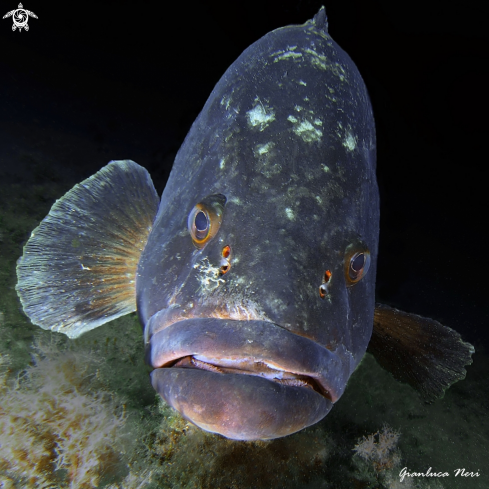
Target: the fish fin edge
pixel 419 351
pixel 78 268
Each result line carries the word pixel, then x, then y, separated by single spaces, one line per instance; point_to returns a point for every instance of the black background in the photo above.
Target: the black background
pixel 95 81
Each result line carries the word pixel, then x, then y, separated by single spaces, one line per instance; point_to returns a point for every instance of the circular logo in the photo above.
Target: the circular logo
pixel 20 19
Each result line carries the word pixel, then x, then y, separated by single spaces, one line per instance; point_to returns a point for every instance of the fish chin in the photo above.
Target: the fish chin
pixel 247 380
pixel 241 407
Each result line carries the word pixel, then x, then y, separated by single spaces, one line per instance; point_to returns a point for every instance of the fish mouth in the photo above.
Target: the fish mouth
pixel 250 366
pixel 244 379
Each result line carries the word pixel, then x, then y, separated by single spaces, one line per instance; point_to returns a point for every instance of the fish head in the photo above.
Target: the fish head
pixel 256 286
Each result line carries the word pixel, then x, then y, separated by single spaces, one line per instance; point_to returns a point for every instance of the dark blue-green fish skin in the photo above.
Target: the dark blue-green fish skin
pixel 288 137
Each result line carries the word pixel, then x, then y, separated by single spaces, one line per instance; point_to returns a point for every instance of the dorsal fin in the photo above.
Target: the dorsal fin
pixel 79 266
pixel 321 20
pixel 419 351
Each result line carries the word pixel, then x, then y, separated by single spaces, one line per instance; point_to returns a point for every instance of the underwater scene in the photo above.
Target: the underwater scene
pixel 116 401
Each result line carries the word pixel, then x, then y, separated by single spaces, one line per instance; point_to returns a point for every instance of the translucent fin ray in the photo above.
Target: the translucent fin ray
pixel 419 351
pixel 78 269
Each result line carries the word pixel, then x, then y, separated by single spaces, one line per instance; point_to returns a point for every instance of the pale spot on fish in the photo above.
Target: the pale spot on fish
pixel 222 163
pixel 350 142
pixel 281 55
pixel 289 213
pixel 208 276
pixel 261 149
pixel 267 165
pixel 260 116
pixel 226 100
pixel 317 59
pixel 339 71
pixel 234 200
pixel 306 130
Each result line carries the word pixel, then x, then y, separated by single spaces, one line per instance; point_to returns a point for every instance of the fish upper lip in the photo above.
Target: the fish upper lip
pixel 175 313
pixel 228 340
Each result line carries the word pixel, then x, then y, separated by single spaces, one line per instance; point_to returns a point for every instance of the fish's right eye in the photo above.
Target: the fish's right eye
pixel 205 219
pixel 201 224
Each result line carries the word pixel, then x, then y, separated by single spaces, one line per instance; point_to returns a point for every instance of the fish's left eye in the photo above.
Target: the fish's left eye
pixel 357 263
pixel 205 219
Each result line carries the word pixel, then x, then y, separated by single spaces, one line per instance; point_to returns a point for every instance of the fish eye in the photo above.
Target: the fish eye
pixel 205 219
pixel 201 224
pixel 357 263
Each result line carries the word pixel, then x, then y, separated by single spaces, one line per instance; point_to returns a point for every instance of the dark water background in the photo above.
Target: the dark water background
pixel 92 82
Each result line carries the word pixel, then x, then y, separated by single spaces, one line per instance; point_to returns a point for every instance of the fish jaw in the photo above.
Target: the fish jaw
pixel 246 380
pixel 240 407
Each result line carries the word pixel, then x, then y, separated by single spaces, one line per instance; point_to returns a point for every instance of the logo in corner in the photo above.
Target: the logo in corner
pixel 20 16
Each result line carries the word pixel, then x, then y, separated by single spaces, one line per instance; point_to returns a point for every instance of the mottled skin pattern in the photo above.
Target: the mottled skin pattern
pixel 288 137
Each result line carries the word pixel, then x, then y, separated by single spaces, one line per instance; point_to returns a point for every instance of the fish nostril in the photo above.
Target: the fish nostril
pixel 226 251
pixel 324 287
pixel 225 264
pixel 323 291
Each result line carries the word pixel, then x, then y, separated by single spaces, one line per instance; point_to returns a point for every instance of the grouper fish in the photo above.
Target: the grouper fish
pixel 254 276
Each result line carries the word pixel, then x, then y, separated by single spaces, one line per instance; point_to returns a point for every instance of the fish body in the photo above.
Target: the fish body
pixel 288 138
pixel 254 277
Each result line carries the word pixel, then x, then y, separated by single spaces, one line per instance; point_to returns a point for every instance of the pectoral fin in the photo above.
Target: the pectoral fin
pixel 78 269
pixel 419 351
